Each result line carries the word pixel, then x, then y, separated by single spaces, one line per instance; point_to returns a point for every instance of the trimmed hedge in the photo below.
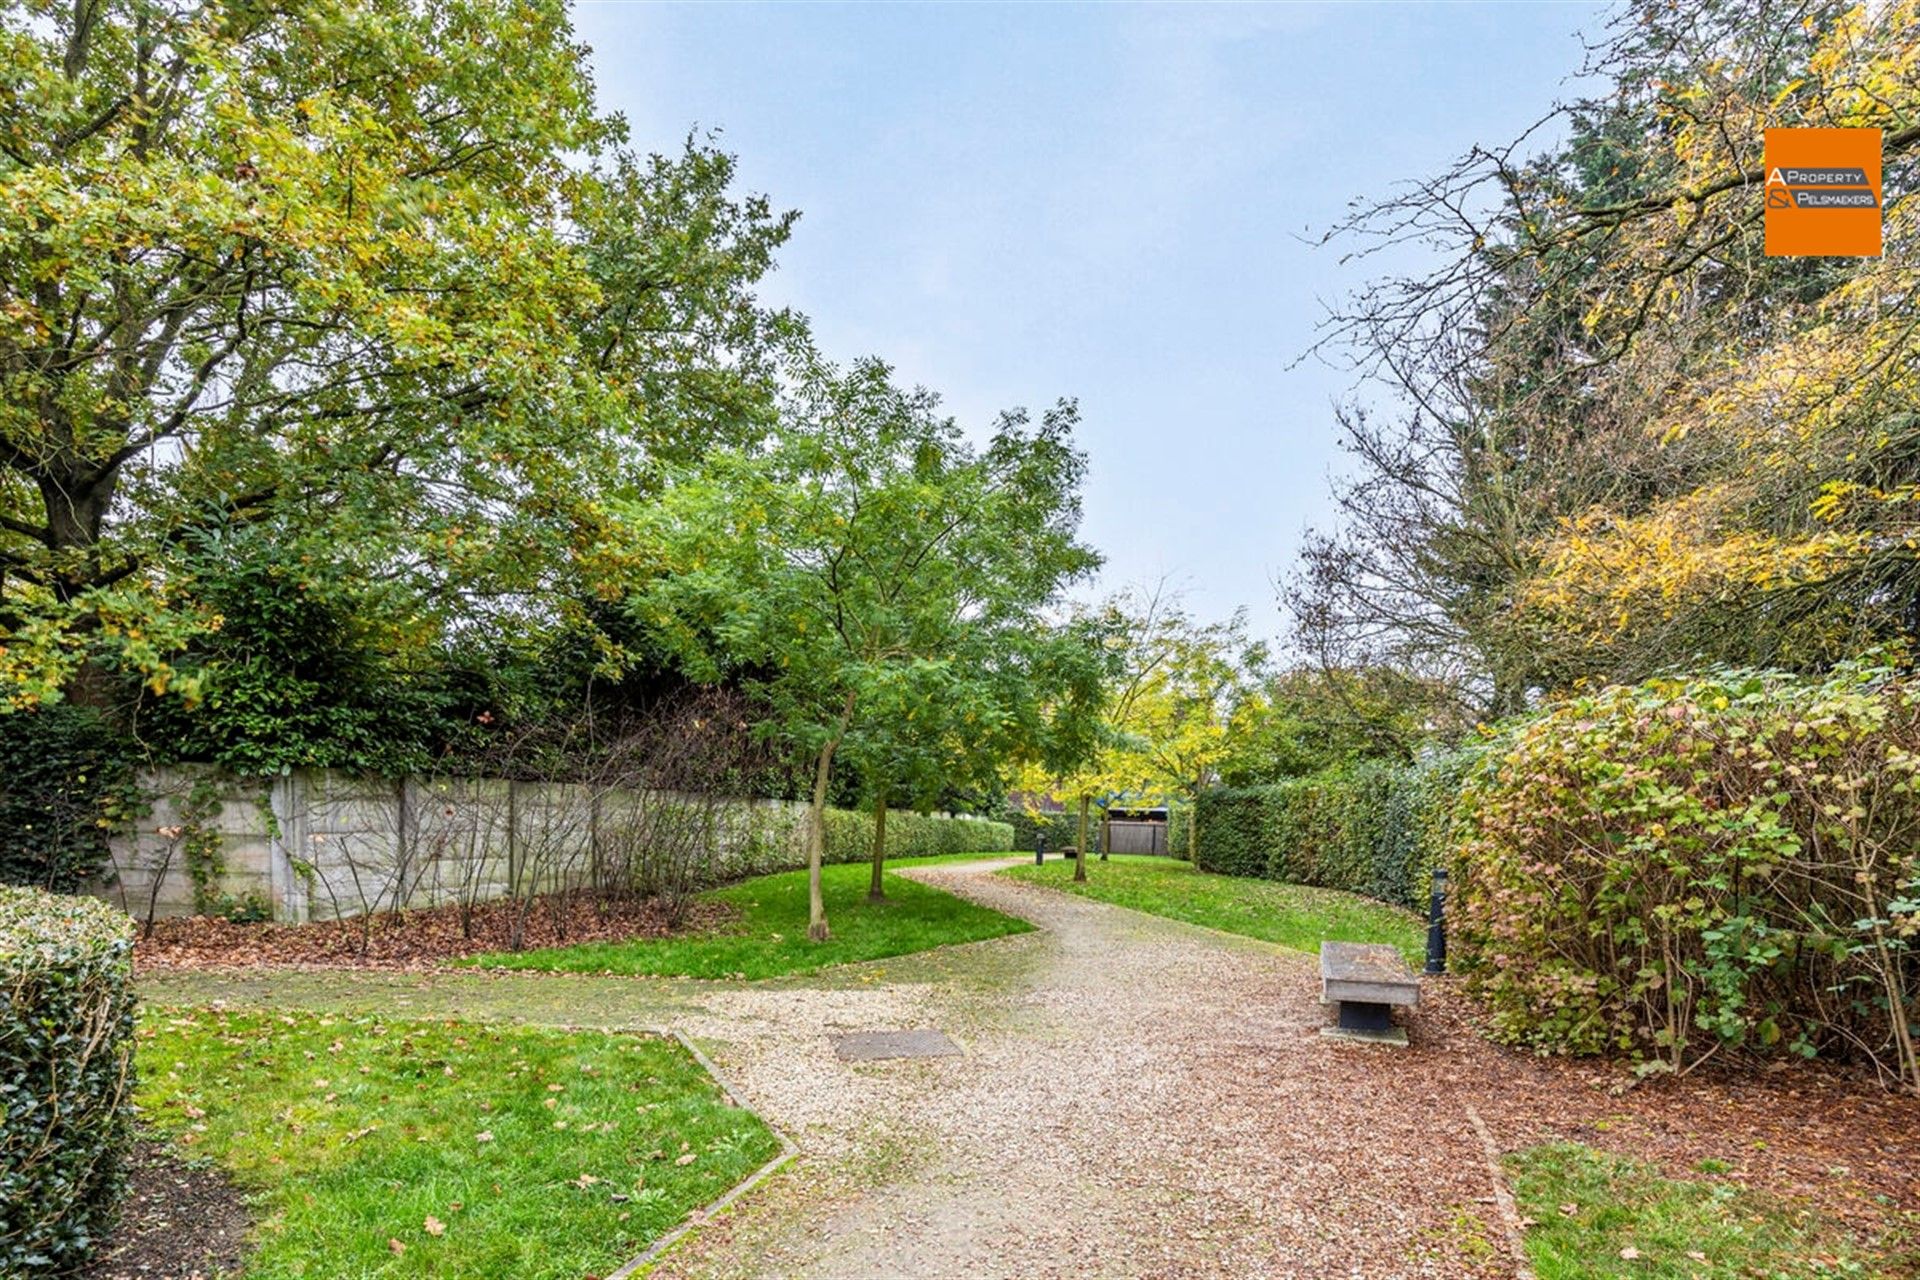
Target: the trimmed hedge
pixel 912 835
pixel 1371 828
pixel 1727 864
pixel 1718 866
pixel 66 1076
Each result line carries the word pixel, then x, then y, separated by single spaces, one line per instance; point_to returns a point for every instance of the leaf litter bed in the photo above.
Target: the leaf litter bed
pixel 418 939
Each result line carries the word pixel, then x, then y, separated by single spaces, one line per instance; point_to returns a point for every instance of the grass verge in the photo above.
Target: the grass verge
pixel 1601 1217
pixel 768 937
pixel 1289 914
pixel 446 1149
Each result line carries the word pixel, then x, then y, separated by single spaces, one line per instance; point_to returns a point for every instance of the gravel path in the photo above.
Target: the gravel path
pixel 1138 1098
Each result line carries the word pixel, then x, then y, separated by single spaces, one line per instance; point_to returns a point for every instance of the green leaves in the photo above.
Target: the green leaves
pixel 1739 855
pixel 358 271
pixel 68 782
pixel 871 552
pixel 66 1053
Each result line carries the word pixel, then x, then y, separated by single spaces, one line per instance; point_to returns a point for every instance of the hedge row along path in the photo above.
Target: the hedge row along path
pixel 1140 1097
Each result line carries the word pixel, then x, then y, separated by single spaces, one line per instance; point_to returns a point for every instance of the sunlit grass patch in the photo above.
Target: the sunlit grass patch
pixel 388 1148
pixel 767 936
pixel 1292 915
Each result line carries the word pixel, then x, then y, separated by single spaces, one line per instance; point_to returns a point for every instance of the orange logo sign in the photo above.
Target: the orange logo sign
pixel 1823 193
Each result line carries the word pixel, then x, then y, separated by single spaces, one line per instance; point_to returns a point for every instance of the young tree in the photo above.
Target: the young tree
pixel 855 568
pixel 1184 710
pixel 1158 665
pixel 1013 694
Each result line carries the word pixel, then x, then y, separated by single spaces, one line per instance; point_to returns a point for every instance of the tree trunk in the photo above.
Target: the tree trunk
pixel 1080 850
pixel 1193 830
pixel 876 892
pixel 1106 832
pixel 817 930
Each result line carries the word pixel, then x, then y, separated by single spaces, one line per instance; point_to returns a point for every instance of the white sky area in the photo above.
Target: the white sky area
pixel 1115 202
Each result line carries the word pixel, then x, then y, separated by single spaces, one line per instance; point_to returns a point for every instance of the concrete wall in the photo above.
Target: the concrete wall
pixel 319 844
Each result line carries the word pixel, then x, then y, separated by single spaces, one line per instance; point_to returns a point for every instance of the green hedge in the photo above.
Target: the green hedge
pixel 912 835
pixel 1371 828
pixel 1179 827
pixel 1722 866
pixel 66 1076
pixel 66 779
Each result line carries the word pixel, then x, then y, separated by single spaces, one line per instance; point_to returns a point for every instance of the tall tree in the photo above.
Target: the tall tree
pixel 854 568
pixel 1304 719
pixel 1623 438
pixel 371 266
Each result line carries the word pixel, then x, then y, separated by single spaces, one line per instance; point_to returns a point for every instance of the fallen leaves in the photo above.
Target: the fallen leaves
pixel 434 1227
pixel 410 940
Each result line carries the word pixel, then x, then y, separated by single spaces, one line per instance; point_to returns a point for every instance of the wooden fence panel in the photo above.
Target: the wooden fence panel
pixel 1128 836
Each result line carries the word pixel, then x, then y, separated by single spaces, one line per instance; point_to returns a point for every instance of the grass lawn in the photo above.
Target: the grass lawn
pixel 1289 914
pixel 1599 1217
pixel 769 937
pixel 454 1150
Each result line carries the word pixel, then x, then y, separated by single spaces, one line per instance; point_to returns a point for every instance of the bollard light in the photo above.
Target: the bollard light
pixel 1039 850
pixel 1437 923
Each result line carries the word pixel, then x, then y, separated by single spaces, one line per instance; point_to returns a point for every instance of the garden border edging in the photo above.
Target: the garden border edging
pixel 788 1150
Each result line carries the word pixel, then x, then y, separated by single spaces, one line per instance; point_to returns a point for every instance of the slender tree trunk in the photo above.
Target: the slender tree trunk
pixel 1193 830
pixel 817 930
pixel 1106 832
pixel 876 892
pixel 1080 849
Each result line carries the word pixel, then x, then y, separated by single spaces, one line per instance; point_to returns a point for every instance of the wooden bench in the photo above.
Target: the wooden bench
pixel 1366 979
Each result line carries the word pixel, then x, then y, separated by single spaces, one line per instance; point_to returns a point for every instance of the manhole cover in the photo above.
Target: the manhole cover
pixel 870 1046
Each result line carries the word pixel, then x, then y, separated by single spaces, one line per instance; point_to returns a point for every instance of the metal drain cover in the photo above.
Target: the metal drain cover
pixel 871 1046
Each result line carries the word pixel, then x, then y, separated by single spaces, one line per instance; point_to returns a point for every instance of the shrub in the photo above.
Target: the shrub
pixel 66 778
pixel 1180 828
pixel 315 664
pixel 1371 827
pixel 912 835
pixel 66 1067
pixel 1725 864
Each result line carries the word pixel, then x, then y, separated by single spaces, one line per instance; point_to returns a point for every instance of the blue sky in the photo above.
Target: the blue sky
pixel 1013 203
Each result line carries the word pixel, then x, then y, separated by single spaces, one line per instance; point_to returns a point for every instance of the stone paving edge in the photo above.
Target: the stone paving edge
pixel 788 1150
